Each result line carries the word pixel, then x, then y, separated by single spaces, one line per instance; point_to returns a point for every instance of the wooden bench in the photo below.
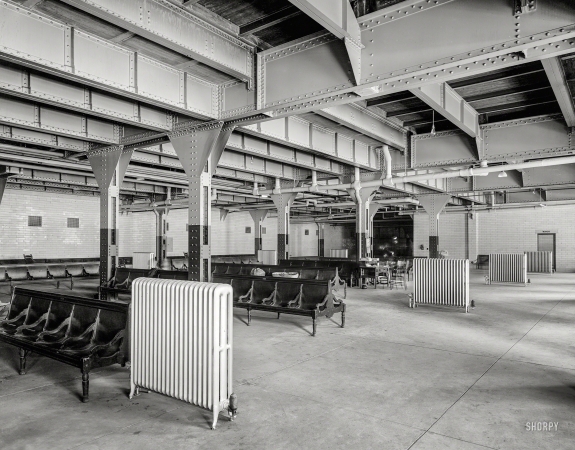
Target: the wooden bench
pixel 121 282
pixel 80 332
pixel 306 273
pixel 482 260
pixel 311 298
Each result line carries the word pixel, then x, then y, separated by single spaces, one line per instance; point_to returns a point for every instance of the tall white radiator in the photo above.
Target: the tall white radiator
pixel 508 267
pixel 540 262
pixel 143 260
pixel 442 282
pixel 181 342
pixel 338 253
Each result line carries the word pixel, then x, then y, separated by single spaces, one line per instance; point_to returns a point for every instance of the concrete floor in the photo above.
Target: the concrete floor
pixel 394 378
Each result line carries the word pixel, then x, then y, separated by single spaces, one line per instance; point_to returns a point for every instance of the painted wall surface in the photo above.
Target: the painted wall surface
pixel 301 244
pixel 502 231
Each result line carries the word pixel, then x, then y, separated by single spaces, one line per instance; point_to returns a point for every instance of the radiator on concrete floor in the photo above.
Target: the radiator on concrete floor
pixel 541 262
pixel 338 253
pixel 508 268
pixel 181 342
pixel 443 282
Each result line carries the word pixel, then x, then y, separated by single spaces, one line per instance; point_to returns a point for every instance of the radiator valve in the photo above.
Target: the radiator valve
pixel 487 279
pixel 233 407
pixel 410 300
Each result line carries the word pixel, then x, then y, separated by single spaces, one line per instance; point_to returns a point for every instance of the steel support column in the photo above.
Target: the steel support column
pixel 258 215
pixel 199 148
pixel 283 204
pixel 433 205
pixel 161 261
pixel 109 166
pixel 321 239
pixel 363 213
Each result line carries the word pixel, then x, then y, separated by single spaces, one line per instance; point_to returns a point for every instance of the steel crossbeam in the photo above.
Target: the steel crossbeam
pixel 554 70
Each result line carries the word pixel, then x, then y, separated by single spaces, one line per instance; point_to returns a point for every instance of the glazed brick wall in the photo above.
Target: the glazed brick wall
pixel 300 244
pixel 53 239
pixel 137 233
pixel 502 231
pixel 516 231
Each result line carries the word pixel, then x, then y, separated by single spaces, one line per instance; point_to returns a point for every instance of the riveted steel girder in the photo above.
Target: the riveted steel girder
pixel 549 176
pixel 443 99
pixel 487 39
pixel 176 28
pixel 301 134
pixel 338 18
pixel 494 182
pixel 30 136
pixel 536 137
pixel 32 116
pixel 23 83
pixel 364 121
pixel 37 40
pixel 554 70
pixel 442 149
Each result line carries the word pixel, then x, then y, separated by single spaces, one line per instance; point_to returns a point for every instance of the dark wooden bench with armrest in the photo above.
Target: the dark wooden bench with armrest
pixel 482 260
pixel 306 273
pixel 311 298
pixel 121 282
pixel 77 331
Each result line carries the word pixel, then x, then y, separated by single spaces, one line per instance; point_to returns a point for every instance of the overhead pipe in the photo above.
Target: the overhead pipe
pixel 471 172
pixel 387 158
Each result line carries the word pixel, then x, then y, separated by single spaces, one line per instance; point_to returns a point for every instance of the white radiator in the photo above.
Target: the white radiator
pixel 338 253
pixel 508 267
pixel 540 262
pixel 441 282
pixel 268 257
pixel 181 342
pixel 143 260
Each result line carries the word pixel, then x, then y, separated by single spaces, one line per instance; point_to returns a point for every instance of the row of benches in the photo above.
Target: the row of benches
pixel 311 273
pixel 313 298
pixel 42 272
pixel 121 282
pixel 80 332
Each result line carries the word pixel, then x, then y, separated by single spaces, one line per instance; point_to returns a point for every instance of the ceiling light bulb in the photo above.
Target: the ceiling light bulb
pixel 502 174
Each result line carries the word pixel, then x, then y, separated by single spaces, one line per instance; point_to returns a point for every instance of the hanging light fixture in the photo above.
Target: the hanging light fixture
pixel 502 174
pixel 433 123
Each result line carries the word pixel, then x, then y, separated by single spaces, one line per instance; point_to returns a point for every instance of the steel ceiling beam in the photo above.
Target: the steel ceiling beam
pixel 269 20
pixel 366 122
pixel 443 99
pixel 41 138
pixel 31 116
pixel 337 17
pixel 56 48
pixel 487 39
pixel 554 70
pixel 325 143
pixel 21 82
pixel 176 28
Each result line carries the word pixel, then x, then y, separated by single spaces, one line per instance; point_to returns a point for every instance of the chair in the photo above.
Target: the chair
pixel 397 278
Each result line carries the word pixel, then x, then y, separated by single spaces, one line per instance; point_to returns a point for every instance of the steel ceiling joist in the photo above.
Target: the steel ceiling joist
pixel 233 160
pixel 446 148
pixel 443 99
pixel 338 18
pixel 556 75
pixel 14 111
pixel 163 22
pixel 302 134
pixel 41 138
pixel 487 39
pixel 366 122
pixel 56 48
pixel 29 85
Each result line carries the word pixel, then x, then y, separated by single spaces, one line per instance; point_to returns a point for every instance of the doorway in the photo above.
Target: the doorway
pixel 546 243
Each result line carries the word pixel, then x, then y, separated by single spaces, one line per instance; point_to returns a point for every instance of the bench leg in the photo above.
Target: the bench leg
pixel 23 354
pixel 278 315
pixel 249 316
pixel 58 284
pixel 314 326
pixel 343 319
pixel 85 386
